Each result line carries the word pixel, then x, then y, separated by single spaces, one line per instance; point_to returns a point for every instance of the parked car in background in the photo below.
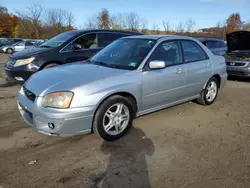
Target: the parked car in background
pixel 9 41
pixel 132 76
pixel 17 47
pixel 238 57
pixel 64 48
pixel 217 46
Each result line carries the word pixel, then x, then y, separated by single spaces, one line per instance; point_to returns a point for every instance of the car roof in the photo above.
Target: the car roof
pixel 104 30
pixel 208 38
pixel 156 37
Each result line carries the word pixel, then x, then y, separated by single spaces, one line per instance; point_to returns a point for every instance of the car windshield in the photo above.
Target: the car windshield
pixel 58 40
pixel 126 53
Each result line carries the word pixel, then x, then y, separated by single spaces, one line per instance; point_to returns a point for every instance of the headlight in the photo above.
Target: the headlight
pixel 23 61
pixel 58 99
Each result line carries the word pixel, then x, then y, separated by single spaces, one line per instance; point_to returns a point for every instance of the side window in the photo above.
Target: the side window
pixel 192 51
pixel 88 41
pixel 106 38
pixel 169 52
pixel 212 44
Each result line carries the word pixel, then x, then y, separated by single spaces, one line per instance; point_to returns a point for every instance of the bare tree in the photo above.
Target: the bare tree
pixel 31 20
pixel 190 25
pixel 92 22
pixel 133 21
pixel 58 19
pixel 119 20
pixel 180 27
pixel 166 25
pixel 156 29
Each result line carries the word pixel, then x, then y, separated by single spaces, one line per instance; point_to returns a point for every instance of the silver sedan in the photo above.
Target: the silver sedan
pixel 131 77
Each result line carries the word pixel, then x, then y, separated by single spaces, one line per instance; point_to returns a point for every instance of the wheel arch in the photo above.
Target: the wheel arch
pixel 126 94
pixel 50 62
pixel 217 77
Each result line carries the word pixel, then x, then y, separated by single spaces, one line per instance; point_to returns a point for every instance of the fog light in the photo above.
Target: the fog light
pixel 19 78
pixel 51 125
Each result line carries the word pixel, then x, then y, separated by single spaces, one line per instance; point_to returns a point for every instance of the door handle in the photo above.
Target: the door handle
pixel 179 71
pixel 207 65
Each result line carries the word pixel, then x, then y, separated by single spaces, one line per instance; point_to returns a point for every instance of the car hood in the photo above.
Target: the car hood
pixel 68 77
pixel 29 52
pixel 239 40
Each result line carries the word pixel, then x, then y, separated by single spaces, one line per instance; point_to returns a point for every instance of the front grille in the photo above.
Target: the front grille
pixel 31 96
pixel 236 64
pixel 236 73
pixel 10 63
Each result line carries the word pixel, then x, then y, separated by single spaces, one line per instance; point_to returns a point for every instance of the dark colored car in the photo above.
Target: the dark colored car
pixel 217 46
pixel 68 47
pixel 238 56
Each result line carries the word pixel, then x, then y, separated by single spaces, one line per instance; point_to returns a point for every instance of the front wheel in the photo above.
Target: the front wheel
pixel 209 94
pixel 113 118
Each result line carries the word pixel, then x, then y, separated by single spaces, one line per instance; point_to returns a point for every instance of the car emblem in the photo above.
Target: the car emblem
pixel 232 64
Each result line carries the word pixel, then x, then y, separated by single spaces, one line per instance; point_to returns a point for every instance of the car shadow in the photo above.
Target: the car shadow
pixel 127 162
pixel 240 79
pixel 8 84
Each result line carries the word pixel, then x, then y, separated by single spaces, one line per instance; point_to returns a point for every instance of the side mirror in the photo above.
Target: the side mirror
pixel 157 64
pixel 76 46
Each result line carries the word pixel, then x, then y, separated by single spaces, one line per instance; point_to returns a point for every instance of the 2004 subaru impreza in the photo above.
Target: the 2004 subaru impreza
pixel 132 76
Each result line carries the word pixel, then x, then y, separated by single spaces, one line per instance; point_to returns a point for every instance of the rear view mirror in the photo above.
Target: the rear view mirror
pixel 157 64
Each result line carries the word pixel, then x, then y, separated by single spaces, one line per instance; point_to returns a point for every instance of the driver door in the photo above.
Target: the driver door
pixel 164 86
pixel 82 48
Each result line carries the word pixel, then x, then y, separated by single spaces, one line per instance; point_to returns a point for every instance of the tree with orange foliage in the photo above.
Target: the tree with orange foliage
pixel 234 23
pixel 8 23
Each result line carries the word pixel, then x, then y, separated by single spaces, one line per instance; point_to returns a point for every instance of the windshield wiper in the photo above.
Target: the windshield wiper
pixel 46 46
pixel 102 64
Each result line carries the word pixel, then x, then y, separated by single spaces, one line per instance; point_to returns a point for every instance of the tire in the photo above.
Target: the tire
pixel 9 51
pixel 204 99
pixel 103 117
pixel 50 65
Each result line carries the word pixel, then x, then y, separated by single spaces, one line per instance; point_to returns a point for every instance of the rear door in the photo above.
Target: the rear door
pixel 198 66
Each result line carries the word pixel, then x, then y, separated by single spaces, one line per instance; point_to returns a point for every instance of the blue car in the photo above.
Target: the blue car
pixel 217 46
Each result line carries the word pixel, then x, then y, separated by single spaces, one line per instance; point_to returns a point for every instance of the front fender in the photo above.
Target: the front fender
pixel 97 97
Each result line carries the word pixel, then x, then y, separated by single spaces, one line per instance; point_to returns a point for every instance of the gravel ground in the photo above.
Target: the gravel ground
pixel 184 146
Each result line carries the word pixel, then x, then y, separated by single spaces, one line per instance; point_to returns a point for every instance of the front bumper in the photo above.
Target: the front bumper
pixel 238 71
pixel 18 74
pixel 67 122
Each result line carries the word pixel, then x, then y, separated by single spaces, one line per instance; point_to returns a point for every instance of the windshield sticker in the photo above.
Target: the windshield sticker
pixel 132 64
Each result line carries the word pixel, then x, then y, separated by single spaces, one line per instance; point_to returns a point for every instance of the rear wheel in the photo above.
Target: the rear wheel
pixel 209 94
pixel 9 51
pixel 113 118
